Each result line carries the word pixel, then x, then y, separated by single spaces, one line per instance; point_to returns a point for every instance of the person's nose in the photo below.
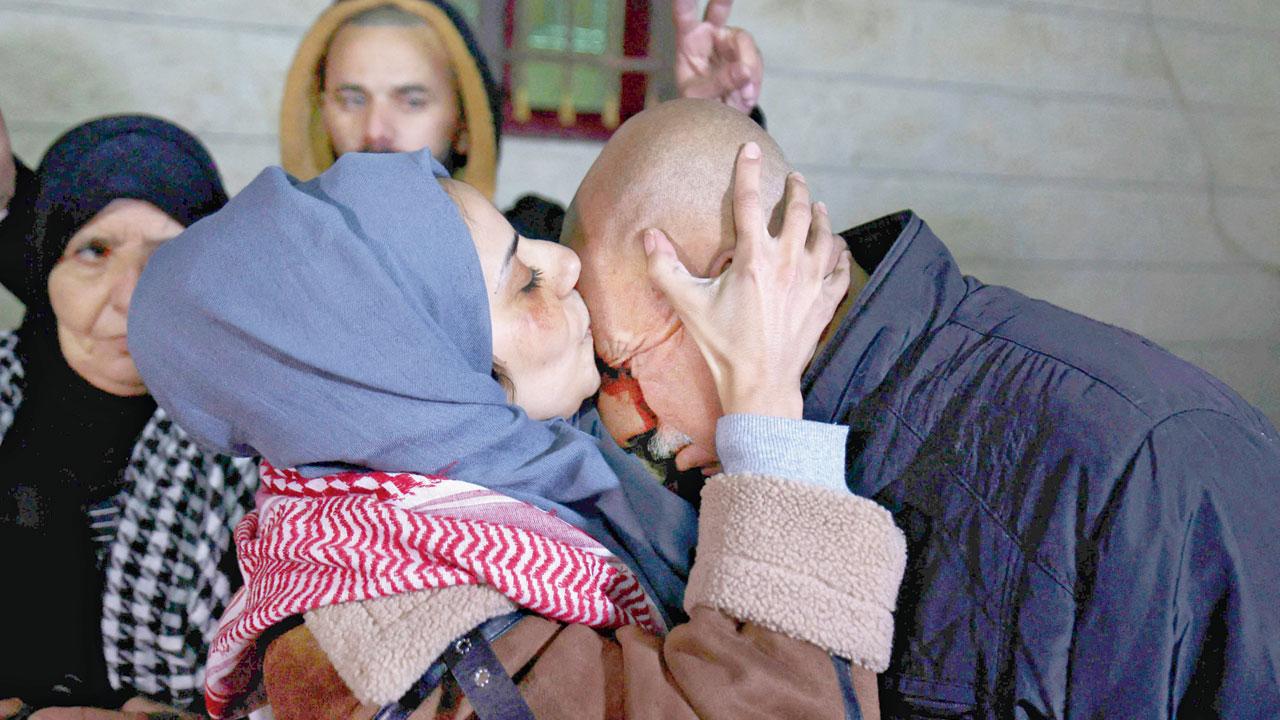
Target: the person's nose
pixel 379 128
pixel 569 267
pixel 123 283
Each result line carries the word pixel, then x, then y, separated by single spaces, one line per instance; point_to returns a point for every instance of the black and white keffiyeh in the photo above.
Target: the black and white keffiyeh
pixel 11 375
pixel 170 569
pixel 171 572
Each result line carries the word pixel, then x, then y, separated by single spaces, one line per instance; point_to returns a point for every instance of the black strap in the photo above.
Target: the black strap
pixel 402 709
pixel 475 667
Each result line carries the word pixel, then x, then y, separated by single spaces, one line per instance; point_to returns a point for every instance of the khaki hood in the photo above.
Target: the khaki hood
pixel 305 150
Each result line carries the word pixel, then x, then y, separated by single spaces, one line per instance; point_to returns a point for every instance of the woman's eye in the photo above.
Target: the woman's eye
pixel 535 280
pixel 93 252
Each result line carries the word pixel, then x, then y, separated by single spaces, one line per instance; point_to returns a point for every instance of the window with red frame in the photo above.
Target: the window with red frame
pixel 574 68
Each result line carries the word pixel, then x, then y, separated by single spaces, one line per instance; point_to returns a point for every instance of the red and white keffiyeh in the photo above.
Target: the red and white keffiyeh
pixel 315 542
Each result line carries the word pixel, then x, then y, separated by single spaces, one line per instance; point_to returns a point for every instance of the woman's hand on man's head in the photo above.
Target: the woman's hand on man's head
pixel 758 323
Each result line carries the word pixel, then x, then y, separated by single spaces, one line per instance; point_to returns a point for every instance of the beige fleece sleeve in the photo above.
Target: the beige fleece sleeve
pixel 810 562
pixel 380 647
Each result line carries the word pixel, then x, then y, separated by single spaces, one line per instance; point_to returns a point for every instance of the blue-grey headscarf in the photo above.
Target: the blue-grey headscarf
pixel 343 323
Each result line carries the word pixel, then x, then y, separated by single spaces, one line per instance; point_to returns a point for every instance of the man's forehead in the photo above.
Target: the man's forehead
pixel 385 48
pixel 598 226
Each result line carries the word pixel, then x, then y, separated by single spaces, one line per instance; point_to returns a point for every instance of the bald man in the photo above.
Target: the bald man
pixel 1090 521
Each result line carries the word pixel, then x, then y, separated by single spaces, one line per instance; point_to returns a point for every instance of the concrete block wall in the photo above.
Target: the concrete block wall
pixel 1117 157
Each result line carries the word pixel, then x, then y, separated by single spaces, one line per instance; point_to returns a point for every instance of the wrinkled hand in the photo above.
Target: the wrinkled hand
pixel 759 323
pixel 138 708
pixel 86 713
pixel 714 61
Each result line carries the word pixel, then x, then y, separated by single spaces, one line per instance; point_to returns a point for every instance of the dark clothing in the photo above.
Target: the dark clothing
pixel 536 217
pixel 1090 521
pixel 124 156
pixel 66 448
pixel 15 229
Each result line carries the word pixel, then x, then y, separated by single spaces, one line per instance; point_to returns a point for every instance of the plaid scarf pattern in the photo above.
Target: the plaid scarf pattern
pixel 315 542
pixel 164 542
pixel 169 575
pixel 11 376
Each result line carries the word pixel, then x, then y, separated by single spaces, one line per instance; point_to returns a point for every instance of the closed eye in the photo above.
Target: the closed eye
pixel 535 280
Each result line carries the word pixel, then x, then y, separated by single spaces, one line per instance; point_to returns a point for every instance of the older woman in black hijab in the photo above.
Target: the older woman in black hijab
pixel 100 490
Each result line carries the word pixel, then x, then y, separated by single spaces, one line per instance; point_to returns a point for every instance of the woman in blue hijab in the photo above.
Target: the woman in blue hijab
pixel 374 314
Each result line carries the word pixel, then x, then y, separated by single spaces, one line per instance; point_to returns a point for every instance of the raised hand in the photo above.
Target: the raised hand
pixel 715 61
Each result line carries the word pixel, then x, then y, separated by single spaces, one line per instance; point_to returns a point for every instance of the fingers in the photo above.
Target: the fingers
pixel 822 245
pixel 667 273
pixel 83 713
pixel 748 218
pixel 728 83
pixel 738 48
pixel 748 53
pixel 141 704
pixel 718 12
pixel 836 283
pixel 685 13
pixel 10 707
pixel 796 218
pixel 691 456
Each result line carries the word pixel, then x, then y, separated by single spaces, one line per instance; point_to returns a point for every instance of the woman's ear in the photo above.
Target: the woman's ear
pixel 499 373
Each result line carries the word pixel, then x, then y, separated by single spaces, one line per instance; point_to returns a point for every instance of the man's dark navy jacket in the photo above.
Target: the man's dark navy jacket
pixel 1093 525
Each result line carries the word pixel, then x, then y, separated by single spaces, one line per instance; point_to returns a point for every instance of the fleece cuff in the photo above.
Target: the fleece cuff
pixel 815 564
pixel 381 647
pixel 804 450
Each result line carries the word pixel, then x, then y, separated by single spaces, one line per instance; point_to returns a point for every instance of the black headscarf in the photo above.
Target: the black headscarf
pixel 70 441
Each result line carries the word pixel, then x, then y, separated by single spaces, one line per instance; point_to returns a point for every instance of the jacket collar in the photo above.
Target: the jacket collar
pixel 913 288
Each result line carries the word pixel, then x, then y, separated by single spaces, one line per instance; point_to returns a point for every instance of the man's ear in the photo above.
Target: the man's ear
pixel 461 139
pixel 720 263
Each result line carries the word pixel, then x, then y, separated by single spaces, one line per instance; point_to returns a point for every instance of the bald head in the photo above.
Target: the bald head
pixel 670 167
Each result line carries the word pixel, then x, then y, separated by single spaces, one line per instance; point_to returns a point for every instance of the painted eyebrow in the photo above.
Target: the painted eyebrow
pixel 511 252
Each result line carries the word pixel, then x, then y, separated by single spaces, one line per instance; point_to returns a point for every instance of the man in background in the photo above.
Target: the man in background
pixel 401 75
